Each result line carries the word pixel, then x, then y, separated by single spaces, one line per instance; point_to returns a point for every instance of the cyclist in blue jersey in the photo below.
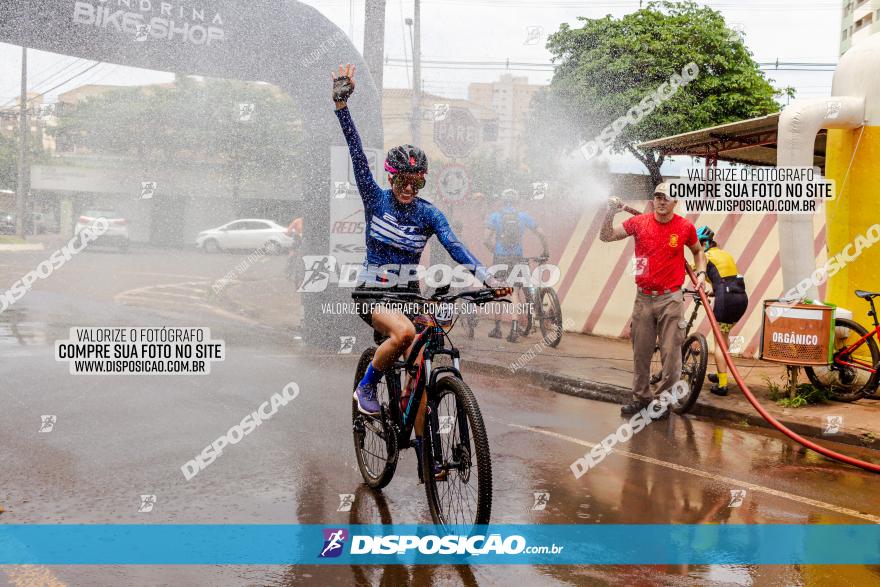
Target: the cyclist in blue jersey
pixel 507 227
pixel 398 226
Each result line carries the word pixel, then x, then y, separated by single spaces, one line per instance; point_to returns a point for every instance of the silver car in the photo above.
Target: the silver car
pixel 248 233
pixel 117 227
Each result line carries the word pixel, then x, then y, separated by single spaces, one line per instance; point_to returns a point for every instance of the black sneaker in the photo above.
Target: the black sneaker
pixel 496 333
pixel 713 378
pixel 634 407
pixel 722 391
pixel 513 336
pixel 662 415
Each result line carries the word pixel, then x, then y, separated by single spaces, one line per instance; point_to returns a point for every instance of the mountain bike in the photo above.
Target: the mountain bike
pixel 456 466
pixel 694 359
pixel 853 371
pixel 542 307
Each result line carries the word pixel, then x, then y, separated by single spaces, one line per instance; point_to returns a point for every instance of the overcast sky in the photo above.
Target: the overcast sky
pixel 495 30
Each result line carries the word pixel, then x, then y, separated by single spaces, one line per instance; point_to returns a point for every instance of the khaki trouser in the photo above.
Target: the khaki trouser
pixel 653 318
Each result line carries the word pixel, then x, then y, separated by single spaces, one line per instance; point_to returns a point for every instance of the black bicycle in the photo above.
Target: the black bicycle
pixel 694 359
pixel 542 306
pixel 456 467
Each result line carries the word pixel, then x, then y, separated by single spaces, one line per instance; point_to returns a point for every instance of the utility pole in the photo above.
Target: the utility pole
pixel 23 136
pixel 374 40
pixel 417 73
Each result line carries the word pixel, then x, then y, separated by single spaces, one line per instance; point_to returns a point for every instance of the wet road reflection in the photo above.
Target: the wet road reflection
pixel 119 436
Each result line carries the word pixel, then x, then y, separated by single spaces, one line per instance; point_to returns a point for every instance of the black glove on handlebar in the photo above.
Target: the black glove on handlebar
pixel 342 88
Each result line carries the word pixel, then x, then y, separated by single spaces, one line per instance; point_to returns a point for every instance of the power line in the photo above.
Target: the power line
pixel 71 78
pixel 44 70
pixel 35 86
pixel 89 68
pixel 547 66
pixel 757 5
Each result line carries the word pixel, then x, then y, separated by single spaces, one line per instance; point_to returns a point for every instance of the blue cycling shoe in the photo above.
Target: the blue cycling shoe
pixel 366 399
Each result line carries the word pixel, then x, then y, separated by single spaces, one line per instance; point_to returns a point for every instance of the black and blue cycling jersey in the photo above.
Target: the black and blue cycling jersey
pixel 397 233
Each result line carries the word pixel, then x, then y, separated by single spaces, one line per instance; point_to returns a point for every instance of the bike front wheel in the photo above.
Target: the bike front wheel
pixel 551 316
pixel 841 382
pixel 694 359
pixel 456 445
pixel 375 439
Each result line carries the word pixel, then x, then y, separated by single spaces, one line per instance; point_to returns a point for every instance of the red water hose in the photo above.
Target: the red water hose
pixel 874 468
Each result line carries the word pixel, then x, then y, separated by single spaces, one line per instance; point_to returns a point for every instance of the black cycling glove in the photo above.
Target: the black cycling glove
pixel 342 88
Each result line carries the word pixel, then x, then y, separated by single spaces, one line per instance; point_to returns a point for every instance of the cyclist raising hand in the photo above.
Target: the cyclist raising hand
pixel 398 226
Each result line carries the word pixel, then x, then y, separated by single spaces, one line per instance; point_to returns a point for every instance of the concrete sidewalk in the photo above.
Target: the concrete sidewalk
pixel 589 366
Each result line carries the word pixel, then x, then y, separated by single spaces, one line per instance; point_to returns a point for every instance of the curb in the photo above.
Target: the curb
pixel 616 394
pixel 22 248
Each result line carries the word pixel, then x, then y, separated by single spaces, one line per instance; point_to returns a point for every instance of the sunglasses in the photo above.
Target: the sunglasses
pixel 402 180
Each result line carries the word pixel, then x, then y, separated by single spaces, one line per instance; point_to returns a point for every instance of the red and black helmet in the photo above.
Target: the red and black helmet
pixel 406 159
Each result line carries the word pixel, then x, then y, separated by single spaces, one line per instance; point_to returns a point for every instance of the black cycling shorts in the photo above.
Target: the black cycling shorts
pixel 731 301
pixel 366 307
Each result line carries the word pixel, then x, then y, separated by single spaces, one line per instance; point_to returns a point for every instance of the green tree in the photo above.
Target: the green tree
pixel 9 155
pixel 191 122
pixel 8 163
pixel 609 65
pixel 491 174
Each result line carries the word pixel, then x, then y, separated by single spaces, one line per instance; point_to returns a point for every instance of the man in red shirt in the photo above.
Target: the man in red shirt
pixel 660 239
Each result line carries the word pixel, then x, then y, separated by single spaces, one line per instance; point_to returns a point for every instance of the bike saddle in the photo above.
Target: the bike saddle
pixel 867 295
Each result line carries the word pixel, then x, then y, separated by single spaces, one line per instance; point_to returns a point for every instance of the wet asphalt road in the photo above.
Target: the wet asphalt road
pixel 117 437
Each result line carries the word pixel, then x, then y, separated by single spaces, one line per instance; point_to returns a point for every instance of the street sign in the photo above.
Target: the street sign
pixel 454 183
pixel 458 133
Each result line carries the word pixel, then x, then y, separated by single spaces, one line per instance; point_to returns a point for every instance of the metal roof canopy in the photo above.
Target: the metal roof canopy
pixel 749 142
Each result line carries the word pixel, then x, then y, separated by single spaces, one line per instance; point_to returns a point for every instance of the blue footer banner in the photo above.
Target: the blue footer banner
pixel 271 544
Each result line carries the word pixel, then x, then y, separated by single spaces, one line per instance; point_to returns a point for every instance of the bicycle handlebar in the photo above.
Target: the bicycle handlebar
pixel 480 296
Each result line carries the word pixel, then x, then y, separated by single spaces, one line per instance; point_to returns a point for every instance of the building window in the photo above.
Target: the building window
pixel 843 36
pixel 863 22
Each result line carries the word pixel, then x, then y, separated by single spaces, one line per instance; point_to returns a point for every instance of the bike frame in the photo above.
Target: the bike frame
pixel 855 362
pixel 425 376
pixel 697 304
pixel 848 350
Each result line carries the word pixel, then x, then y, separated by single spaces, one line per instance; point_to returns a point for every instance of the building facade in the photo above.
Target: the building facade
pixel 397 113
pixel 510 98
pixel 191 193
pixel 861 19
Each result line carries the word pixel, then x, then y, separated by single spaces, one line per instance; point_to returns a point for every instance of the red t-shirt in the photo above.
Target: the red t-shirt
pixel 660 249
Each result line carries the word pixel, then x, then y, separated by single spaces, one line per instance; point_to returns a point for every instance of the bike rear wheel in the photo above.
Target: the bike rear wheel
pixel 551 316
pixel 375 438
pixel 525 318
pixel 455 438
pixel 694 360
pixel 843 383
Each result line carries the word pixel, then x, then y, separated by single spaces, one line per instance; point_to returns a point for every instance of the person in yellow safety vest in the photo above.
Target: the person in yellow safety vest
pixel 731 300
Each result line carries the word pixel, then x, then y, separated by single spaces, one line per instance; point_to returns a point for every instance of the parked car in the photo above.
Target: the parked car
pixel 117 228
pixel 7 222
pixel 248 233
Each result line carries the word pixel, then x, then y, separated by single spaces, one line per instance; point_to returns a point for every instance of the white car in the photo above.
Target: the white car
pixel 117 227
pixel 248 233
